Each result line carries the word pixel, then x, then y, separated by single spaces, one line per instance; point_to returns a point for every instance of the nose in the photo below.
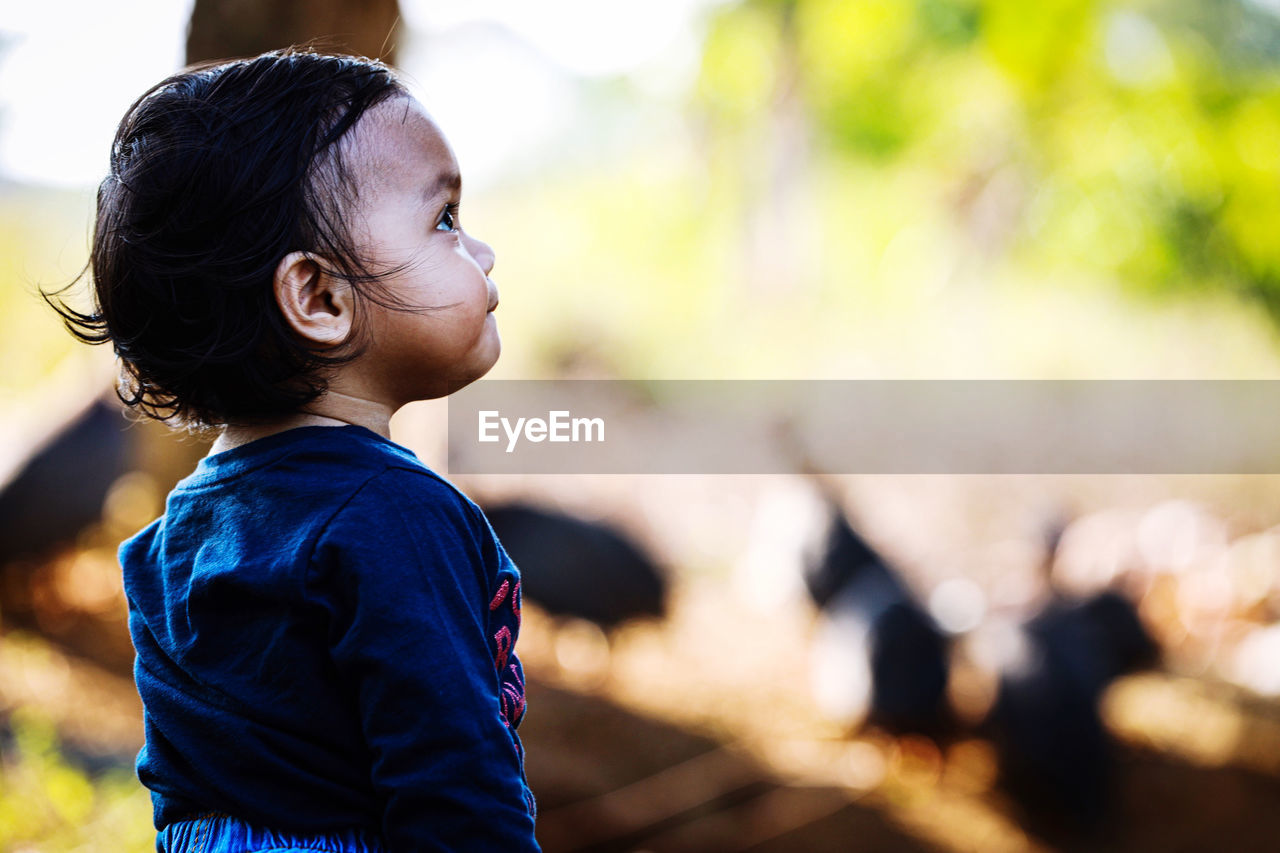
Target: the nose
pixel 482 252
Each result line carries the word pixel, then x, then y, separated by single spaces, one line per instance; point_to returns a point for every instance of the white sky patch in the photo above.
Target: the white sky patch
pixel 501 77
pixel 68 71
pixel 496 98
pixel 585 37
pixel 504 79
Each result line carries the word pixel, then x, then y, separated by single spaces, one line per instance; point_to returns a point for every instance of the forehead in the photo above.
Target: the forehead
pixel 397 146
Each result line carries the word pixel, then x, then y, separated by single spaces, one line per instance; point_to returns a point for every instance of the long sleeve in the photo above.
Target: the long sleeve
pixel 405 575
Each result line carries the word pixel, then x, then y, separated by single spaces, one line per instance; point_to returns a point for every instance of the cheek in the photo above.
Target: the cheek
pixel 440 338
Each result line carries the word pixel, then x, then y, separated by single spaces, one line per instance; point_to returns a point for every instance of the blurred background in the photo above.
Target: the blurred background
pixel 763 189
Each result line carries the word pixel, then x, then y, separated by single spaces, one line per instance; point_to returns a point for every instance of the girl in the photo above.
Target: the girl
pixel 324 628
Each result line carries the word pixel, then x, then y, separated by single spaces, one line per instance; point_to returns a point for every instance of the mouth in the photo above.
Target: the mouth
pixel 493 295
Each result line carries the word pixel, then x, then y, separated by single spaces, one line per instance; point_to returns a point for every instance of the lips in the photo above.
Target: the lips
pixel 493 294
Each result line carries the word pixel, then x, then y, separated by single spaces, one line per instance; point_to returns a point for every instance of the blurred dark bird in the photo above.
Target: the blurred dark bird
pixel 1056 755
pixel 877 654
pixel 571 566
pixel 60 488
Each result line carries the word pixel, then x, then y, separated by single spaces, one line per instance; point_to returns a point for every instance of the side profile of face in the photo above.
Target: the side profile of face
pixel 406 220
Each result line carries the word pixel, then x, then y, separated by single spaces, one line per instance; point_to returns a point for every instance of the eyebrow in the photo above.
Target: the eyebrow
pixel 444 181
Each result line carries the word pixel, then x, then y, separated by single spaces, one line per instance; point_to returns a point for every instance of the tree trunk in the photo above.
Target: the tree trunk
pixel 227 29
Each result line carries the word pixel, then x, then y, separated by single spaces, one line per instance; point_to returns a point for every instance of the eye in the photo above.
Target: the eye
pixel 448 219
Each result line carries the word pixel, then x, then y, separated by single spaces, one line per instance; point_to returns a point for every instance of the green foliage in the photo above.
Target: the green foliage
pixel 1139 141
pixel 47 805
pixel 950 23
pixel 739 66
pixel 852 59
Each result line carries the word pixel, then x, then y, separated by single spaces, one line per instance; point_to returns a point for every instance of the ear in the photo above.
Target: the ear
pixel 317 305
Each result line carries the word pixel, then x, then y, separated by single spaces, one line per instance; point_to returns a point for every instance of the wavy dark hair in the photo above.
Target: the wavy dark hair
pixel 216 174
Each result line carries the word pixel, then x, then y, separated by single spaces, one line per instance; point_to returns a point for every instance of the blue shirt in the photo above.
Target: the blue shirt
pixel 325 636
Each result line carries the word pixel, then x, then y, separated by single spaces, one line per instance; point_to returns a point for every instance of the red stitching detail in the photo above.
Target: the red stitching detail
pixel 515 602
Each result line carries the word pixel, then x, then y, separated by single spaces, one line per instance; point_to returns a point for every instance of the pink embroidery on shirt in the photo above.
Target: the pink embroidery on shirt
pixel 500 595
pixel 514 690
pixel 503 641
pixel 515 676
pixel 515 602
pixel 510 691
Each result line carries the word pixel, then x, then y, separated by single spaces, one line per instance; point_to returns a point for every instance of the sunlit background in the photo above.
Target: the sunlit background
pixel 752 189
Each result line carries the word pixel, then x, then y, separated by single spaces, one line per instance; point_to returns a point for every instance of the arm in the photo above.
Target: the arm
pixel 404 571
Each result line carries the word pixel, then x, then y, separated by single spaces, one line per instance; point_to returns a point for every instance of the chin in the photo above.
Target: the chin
pixel 494 352
pixel 482 370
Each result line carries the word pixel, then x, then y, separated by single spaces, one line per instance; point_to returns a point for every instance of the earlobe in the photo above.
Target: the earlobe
pixel 316 304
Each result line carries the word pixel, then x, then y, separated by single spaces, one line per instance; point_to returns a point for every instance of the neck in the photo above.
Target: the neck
pixel 332 408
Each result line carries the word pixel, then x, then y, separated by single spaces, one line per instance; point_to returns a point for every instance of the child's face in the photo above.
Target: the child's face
pixel 407 217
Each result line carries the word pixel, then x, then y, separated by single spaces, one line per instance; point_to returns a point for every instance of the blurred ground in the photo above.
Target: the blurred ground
pixel 699 733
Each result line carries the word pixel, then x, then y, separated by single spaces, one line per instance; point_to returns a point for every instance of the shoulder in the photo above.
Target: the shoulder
pixel 388 470
pixel 415 495
pixel 406 543
pixel 406 511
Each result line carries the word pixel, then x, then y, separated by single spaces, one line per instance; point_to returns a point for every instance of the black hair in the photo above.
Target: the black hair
pixel 216 174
